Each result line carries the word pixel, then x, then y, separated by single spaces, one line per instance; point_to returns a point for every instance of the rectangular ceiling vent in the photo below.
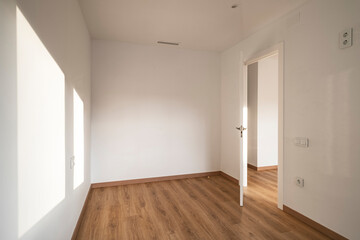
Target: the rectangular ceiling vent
pixel 169 43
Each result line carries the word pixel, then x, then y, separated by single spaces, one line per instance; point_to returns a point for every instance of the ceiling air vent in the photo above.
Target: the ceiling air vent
pixel 168 43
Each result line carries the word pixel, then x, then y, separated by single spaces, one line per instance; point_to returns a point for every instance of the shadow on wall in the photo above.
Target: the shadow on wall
pixel 41 130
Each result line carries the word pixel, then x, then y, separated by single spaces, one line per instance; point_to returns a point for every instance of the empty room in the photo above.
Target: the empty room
pixel 179 119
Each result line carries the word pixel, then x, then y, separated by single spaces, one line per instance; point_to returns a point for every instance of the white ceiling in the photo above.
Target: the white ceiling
pixel 196 24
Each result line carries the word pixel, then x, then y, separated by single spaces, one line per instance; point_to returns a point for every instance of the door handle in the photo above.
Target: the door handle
pixel 241 129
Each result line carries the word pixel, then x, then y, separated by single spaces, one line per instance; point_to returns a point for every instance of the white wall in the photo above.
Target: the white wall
pixel 8 126
pixel 321 102
pixel 60 26
pixel 155 111
pixel 267 151
pixel 230 111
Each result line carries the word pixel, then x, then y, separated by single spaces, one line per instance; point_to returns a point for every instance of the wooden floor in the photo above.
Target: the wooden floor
pixel 199 208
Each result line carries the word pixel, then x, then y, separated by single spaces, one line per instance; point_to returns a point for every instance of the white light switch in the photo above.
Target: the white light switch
pixel 72 162
pixel 302 142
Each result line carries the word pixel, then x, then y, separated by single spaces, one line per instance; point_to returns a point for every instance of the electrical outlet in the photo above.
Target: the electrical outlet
pixel 300 182
pixel 345 38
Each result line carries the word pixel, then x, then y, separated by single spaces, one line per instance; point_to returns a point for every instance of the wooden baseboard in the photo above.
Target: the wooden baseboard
pixel 252 167
pixel 155 179
pixel 262 168
pixel 232 179
pixel 78 224
pixel 324 230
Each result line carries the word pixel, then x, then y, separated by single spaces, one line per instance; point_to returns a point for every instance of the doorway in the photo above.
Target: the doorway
pixel 261 130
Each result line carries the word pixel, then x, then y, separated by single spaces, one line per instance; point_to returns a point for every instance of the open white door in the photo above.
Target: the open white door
pixel 242 131
pixel 243 135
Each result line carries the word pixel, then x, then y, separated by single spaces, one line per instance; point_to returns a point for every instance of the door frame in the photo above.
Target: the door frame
pixel 276 49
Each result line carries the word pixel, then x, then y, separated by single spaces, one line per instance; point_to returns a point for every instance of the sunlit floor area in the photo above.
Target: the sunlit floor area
pixel 198 208
pixel 263 183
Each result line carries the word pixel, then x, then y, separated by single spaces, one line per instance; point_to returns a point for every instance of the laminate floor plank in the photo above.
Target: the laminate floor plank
pixel 196 208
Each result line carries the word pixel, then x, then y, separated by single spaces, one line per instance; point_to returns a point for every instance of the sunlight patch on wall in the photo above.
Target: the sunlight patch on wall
pixel 41 128
pixel 78 139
